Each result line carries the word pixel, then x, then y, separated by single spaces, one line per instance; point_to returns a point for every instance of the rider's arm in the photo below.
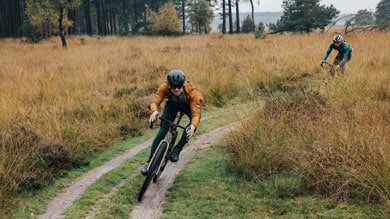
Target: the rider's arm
pixel 195 101
pixel 159 96
pixel 328 51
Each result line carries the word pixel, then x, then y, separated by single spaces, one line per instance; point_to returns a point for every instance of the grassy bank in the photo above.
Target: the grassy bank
pixel 221 194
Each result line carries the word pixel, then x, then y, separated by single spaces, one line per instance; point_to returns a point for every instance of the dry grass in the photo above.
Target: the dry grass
pixel 72 103
pixel 337 141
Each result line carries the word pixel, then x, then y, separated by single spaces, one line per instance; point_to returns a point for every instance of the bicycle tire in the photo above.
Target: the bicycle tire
pixel 144 186
pixel 152 170
pixel 159 157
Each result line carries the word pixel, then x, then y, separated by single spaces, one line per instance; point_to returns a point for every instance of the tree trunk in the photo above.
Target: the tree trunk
pixel 61 27
pixel 11 15
pixel 230 17
pixel 223 16
pixel 237 18
pixel 183 15
pixel 72 17
pixel 112 21
pixel 101 18
pixel 135 12
pixel 87 15
pixel 253 16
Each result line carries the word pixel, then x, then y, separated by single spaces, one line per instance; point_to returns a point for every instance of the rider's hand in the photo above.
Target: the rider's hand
pixel 337 66
pixel 322 62
pixel 153 117
pixel 190 131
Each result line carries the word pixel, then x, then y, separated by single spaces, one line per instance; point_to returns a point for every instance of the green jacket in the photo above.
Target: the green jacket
pixel 345 49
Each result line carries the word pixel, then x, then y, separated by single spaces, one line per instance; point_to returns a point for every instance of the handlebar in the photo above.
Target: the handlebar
pixel 170 123
pixel 327 64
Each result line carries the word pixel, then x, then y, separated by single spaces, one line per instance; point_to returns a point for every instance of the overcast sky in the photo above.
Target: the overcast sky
pixel 344 6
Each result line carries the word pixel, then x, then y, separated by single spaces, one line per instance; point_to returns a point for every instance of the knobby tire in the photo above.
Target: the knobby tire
pixel 152 169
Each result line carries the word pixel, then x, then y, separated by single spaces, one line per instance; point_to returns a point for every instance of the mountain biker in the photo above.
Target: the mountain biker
pixel 344 49
pixel 181 96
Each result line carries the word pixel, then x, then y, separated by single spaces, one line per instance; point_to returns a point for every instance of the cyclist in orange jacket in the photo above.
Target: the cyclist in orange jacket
pixel 181 96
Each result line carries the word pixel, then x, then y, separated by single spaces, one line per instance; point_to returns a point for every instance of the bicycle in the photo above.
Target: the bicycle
pixel 161 155
pixel 329 68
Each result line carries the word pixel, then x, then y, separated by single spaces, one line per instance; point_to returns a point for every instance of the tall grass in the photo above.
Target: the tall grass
pixel 60 106
pixel 336 142
pixel 341 151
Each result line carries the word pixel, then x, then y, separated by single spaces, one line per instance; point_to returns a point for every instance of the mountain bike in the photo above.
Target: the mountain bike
pixel 161 155
pixel 329 68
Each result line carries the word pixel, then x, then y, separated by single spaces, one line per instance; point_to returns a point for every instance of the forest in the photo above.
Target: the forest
pixel 40 19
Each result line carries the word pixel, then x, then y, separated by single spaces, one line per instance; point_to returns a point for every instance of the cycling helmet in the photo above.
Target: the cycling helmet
pixel 176 78
pixel 338 38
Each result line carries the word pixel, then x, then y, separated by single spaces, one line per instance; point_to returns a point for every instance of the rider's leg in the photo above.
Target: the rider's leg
pixel 336 61
pixel 177 149
pixel 183 140
pixel 348 58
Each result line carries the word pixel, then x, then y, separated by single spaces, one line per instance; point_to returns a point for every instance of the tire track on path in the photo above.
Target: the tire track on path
pixel 153 200
pixel 65 199
pixel 151 205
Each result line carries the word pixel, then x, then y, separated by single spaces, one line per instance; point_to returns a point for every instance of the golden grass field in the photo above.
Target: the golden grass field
pixel 70 103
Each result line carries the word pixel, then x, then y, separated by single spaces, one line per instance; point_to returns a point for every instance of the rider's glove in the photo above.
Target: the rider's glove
pixel 190 131
pixel 153 117
pixel 338 67
pixel 322 62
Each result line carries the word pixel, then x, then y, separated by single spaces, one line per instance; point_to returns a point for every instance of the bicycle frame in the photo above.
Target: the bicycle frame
pixel 169 139
pixel 331 68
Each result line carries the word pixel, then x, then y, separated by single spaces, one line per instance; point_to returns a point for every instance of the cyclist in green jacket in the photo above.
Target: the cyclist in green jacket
pixel 344 49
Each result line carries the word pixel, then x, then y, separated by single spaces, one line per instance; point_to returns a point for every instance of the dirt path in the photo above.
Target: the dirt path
pixel 151 205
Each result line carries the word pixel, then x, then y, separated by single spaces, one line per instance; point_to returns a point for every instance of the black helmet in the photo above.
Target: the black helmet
pixel 176 78
pixel 338 39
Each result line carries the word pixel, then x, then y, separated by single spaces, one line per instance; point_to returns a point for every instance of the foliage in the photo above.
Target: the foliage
pixel 200 15
pixel 364 20
pixel 364 17
pixel 259 32
pixel 247 25
pixel 304 16
pixel 382 14
pixel 165 21
pixel 43 15
pixel 31 33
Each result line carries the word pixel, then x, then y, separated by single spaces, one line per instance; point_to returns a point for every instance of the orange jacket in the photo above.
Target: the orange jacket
pixel 192 94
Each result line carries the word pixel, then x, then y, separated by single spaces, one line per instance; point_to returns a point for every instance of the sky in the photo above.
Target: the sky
pixel 344 6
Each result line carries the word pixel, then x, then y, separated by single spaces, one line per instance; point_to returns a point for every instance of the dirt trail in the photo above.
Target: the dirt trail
pixel 65 199
pixel 151 205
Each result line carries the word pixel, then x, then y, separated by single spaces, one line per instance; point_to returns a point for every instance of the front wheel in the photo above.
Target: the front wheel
pixel 155 163
pixel 159 157
pixel 145 185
